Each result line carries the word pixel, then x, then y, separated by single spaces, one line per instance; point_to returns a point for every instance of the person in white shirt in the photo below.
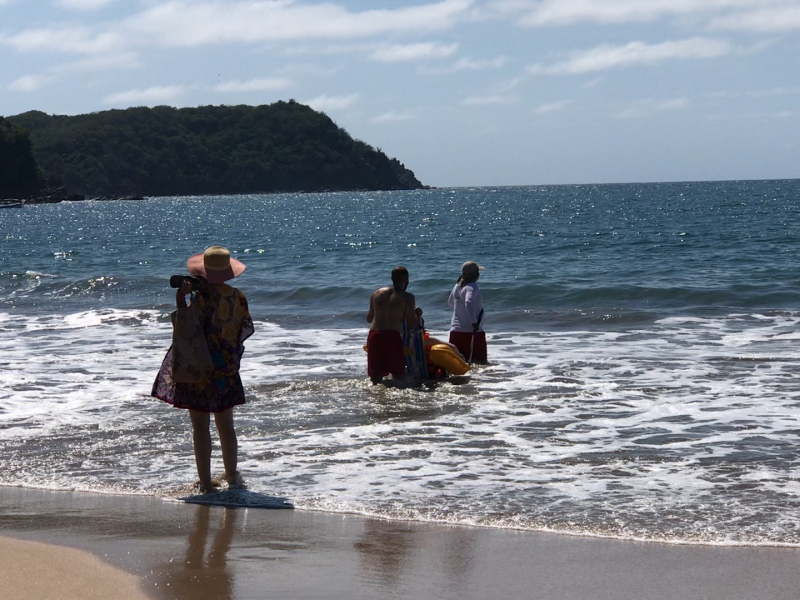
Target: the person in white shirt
pixel 466 332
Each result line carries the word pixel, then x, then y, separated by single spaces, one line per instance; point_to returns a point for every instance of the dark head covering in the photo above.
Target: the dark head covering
pixel 470 271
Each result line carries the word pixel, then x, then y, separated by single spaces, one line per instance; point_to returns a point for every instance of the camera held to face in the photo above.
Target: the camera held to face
pixel 176 281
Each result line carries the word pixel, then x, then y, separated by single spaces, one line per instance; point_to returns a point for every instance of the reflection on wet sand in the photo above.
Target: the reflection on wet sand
pixel 201 574
pixel 385 549
pixel 458 558
pixel 392 555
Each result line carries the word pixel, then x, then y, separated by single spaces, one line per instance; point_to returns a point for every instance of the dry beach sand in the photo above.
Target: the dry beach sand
pixel 148 547
pixel 35 570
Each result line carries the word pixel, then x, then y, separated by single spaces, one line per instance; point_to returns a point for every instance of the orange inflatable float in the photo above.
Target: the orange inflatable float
pixel 444 356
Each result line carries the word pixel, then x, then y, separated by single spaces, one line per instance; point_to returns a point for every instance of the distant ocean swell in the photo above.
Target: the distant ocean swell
pixel 544 304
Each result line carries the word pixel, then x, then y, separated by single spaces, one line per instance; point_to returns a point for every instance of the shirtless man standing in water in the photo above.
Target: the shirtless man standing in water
pixel 388 306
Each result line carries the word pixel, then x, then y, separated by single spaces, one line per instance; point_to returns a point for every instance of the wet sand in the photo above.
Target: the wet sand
pixel 194 552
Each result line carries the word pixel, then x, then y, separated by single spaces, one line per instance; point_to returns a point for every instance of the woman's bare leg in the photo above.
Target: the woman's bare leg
pixel 229 443
pixel 201 436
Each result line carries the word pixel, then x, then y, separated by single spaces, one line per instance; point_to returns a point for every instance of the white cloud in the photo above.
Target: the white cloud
pixel 760 16
pixel 82 4
pixel 570 12
pixel 325 103
pixel 409 52
pixel 393 116
pixel 770 93
pixel 151 94
pixel 184 23
pixel 488 100
pixel 501 9
pixel 77 40
pixel 760 116
pixel 766 20
pixel 126 60
pixel 253 85
pixel 645 108
pixel 674 104
pixel 552 107
pixel 213 22
pixel 607 57
pixel 307 70
pixel 469 64
pixel 30 83
pixel 326 50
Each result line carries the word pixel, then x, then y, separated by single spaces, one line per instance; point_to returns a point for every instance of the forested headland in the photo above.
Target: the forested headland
pixel 19 175
pixel 161 151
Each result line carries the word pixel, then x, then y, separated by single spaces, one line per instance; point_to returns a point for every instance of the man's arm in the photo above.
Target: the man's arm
pixel 371 312
pixel 411 314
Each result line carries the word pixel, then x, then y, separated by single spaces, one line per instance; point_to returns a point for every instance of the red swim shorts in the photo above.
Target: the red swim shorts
pixel 463 340
pixel 385 354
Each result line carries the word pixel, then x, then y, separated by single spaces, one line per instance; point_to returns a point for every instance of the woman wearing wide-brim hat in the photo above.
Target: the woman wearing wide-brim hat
pixel 466 330
pixel 220 312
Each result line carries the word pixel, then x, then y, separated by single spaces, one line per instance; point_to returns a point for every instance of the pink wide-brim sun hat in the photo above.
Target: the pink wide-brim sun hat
pixel 215 264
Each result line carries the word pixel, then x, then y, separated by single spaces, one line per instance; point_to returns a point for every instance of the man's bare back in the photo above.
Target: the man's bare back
pixel 388 306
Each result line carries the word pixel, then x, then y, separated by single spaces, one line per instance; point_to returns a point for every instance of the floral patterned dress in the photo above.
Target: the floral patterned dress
pixel 227 324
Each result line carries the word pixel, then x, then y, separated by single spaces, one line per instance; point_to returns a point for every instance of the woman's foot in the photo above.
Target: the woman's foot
pixel 235 481
pixel 206 488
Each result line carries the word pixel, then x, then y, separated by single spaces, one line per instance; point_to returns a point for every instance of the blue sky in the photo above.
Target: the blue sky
pixel 464 92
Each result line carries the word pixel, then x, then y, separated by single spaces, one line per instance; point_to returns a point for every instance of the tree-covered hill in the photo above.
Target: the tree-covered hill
pixel 18 173
pixel 285 146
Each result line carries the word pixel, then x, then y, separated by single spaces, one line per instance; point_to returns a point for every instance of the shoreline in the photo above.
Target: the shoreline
pixel 176 550
pixel 57 198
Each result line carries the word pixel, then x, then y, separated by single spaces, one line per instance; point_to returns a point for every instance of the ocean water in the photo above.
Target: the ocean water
pixel 644 341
